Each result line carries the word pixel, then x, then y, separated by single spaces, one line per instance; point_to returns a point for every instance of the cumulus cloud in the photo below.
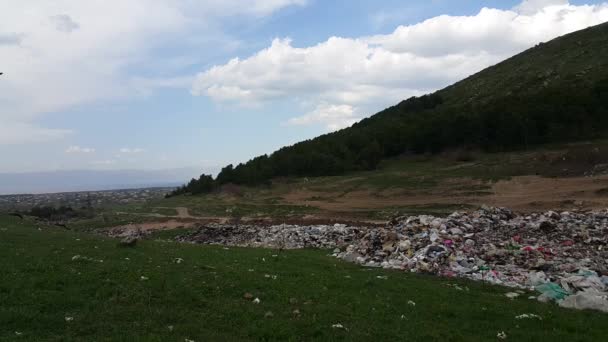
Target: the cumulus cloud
pixel 373 72
pixel 135 150
pixel 78 149
pixel 334 117
pixel 60 54
pixel 64 23
pixel 530 7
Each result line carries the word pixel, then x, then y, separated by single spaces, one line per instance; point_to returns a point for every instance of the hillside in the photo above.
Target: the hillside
pixel 554 92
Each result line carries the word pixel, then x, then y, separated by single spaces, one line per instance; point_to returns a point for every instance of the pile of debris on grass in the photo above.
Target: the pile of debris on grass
pixel 564 256
pixel 278 236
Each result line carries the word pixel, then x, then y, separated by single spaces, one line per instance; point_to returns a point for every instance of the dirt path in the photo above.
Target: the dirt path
pixel 183 212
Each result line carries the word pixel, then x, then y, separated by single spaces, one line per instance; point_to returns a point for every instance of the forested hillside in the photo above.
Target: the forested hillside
pixel 554 92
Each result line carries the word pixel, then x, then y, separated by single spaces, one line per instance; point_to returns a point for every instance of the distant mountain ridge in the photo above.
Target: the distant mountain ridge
pixel 90 180
pixel 554 92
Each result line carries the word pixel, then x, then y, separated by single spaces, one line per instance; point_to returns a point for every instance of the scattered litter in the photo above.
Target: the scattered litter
pixel 84 258
pixel 411 303
pixel 512 295
pixel 256 301
pixel 69 318
pixel 382 277
pixel 143 278
pixel 458 287
pixel 337 326
pixel 501 335
pixel 178 260
pixel 529 316
pixel 589 299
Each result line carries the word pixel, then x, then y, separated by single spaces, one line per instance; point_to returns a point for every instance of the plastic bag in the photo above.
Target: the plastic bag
pixel 553 291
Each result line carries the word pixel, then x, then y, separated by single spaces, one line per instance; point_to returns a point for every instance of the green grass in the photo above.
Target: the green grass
pixel 251 205
pixel 202 297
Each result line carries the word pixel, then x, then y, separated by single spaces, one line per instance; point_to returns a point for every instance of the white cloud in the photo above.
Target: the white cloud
pixel 64 23
pixel 334 117
pixel 10 39
pixel 78 149
pixel 257 7
pixel 374 72
pixel 25 133
pixel 530 7
pixel 127 150
pixel 60 54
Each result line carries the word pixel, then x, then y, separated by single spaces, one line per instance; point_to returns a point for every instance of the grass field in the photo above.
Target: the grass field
pixel 144 294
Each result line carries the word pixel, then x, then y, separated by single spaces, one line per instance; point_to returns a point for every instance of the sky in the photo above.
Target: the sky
pixel 161 84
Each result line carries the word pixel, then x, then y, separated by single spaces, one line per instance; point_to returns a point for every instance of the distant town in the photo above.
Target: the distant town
pixel 82 198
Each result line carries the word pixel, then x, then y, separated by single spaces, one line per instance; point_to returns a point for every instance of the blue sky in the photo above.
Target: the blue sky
pixel 156 84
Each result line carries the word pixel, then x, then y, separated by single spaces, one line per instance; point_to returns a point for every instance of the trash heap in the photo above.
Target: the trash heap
pixel 564 256
pixel 278 236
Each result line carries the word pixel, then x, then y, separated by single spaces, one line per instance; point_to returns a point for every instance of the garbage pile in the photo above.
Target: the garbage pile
pixel 278 236
pixel 563 256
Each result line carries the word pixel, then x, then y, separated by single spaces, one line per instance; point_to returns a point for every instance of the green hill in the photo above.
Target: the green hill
pixel 554 92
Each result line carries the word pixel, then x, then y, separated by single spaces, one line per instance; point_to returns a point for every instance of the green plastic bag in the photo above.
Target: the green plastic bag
pixel 553 291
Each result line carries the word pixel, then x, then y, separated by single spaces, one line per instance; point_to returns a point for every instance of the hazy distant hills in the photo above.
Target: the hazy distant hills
pixel 82 180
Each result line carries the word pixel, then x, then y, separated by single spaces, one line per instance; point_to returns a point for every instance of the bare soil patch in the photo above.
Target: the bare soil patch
pixel 523 193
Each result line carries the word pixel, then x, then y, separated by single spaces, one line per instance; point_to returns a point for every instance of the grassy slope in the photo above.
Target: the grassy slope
pixel 576 58
pixel 202 297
